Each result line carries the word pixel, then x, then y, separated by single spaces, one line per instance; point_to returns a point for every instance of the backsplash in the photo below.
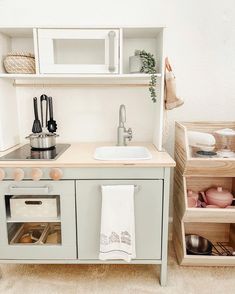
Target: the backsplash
pixel 90 114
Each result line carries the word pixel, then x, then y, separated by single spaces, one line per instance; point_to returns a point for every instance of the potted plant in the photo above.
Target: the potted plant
pixel 145 62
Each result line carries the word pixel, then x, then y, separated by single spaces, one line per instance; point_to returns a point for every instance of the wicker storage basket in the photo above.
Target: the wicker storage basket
pixel 19 63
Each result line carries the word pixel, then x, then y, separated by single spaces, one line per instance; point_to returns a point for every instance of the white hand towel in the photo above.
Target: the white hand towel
pixel 117 236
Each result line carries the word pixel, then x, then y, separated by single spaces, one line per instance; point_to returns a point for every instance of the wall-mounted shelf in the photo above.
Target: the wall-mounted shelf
pixel 79 79
pixel 78 76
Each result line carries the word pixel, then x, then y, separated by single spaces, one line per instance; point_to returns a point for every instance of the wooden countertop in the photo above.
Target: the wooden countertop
pixel 82 155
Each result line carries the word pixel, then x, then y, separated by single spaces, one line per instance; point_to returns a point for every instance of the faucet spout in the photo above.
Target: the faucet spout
pixel 122 133
pixel 122 115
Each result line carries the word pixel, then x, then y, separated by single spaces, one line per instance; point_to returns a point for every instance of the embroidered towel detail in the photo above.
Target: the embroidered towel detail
pixel 117 236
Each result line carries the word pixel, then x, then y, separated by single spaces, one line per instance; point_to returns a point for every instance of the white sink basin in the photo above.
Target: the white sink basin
pixel 122 153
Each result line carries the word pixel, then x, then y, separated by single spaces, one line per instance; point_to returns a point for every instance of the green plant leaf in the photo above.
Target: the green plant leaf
pixel 149 67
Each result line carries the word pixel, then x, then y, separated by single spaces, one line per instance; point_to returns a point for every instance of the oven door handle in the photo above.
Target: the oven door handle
pixel 28 190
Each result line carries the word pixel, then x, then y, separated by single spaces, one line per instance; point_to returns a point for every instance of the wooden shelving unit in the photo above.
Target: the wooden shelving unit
pixel 199 174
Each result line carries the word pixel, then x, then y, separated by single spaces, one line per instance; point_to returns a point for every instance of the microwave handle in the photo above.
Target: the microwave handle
pixel 28 190
pixel 111 36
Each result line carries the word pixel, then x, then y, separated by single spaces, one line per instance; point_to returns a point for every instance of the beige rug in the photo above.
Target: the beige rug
pixel 133 279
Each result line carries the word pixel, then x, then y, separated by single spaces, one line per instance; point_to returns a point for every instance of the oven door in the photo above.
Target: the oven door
pixel 37 220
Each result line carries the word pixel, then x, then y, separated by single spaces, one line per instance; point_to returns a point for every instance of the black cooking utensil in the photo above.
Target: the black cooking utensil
pixel 44 112
pixel 37 128
pixel 51 124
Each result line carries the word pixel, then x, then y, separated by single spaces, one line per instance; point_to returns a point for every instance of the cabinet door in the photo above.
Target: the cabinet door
pixel 61 227
pixel 78 51
pixel 148 216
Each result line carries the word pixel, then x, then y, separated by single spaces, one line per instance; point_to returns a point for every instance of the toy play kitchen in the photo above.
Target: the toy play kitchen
pixel 65 177
pixel 67 230
pixel 69 187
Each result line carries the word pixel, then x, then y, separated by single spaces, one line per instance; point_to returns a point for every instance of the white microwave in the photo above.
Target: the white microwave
pixel 78 51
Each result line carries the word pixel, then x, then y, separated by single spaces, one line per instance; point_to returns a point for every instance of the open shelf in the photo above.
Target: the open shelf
pixel 189 165
pixel 198 184
pixel 15 40
pixel 79 79
pixel 214 232
pixel 148 39
pixel 78 76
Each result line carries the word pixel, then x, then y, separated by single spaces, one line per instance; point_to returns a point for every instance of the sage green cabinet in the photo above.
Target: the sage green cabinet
pixel 148 201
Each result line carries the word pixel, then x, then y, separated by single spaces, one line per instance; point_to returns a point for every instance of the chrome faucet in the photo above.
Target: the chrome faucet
pixel 122 133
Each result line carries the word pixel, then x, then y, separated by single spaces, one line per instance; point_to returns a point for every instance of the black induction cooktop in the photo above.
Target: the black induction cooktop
pixel 26 153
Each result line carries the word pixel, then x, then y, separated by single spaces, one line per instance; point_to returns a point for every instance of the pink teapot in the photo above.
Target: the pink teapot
pixel 217 197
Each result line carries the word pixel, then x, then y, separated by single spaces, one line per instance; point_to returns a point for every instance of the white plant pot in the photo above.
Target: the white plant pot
pixel 135 64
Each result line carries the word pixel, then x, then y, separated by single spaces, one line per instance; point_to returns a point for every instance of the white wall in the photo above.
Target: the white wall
pixel 200 43
pixel 91 114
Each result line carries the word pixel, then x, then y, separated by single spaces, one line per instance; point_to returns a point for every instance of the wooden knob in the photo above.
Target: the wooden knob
pixel 36 174
pixel 56 174
pixel 2 174
pixel 18 174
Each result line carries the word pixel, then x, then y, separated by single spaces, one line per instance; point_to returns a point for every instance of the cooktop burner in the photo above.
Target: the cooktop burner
pixel 26 153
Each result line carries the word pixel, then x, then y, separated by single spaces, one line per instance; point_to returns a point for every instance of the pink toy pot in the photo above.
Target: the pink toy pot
pixel 217 196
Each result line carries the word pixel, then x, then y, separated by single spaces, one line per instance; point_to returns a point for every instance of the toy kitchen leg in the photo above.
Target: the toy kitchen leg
pixel 163 273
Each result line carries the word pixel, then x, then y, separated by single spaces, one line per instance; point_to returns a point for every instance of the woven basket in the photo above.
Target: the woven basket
pixel 19 63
